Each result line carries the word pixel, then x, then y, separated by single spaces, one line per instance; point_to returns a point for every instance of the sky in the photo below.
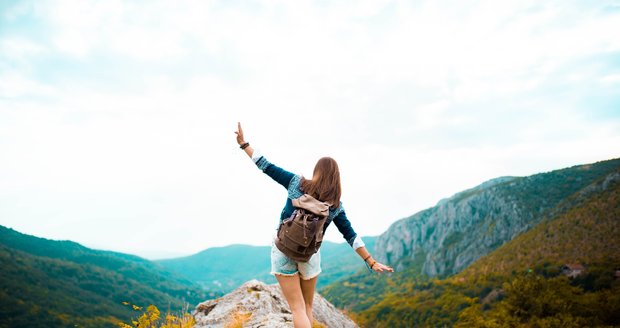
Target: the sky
pixel 117 118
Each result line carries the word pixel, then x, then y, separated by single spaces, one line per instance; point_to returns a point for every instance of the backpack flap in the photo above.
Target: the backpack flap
pixel 312 205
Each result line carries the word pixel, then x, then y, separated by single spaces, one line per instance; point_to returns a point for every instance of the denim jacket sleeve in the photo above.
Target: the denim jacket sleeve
pixel 345 228
pixel 281 176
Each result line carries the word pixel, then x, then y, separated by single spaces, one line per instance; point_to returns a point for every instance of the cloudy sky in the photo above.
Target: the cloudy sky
pixel 117 117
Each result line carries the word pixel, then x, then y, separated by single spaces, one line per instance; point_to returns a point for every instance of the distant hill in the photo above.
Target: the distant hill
pixel 225 268
pixel 543 221
pixel 47 283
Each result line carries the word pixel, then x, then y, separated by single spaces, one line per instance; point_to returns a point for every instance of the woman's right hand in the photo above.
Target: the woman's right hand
pixel 239 133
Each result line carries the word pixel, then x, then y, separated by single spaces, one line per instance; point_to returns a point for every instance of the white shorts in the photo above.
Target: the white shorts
pixel 282 265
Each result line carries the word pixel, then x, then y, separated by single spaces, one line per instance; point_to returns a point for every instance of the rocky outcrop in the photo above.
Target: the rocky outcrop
pixel 256 304
pixel 451 235
pixel 447 238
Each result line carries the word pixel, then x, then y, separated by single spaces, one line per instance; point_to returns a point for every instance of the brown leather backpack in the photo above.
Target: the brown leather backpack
pixel 301 235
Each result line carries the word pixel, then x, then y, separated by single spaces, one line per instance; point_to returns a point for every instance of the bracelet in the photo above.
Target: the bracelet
pixel 373 264
pixel 367 257
pixel 244 145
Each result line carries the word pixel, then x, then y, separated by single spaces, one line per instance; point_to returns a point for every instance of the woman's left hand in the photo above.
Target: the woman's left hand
pixel 379 267
pixel 239 133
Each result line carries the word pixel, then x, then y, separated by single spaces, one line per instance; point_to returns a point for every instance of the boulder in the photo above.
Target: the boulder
pixel 256 304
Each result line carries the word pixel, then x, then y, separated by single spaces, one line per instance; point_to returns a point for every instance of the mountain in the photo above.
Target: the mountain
pixel 255 304
pixel 224 268
pixel 585 231
pixel 450 236
pixel 47 283
pixel 522 283
pixel 568 216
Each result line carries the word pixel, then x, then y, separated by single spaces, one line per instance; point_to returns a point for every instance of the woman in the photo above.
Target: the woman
pixel 298 279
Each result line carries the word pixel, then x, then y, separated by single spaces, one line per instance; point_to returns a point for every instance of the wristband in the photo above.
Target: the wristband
pixel 367 257
pixel 244 145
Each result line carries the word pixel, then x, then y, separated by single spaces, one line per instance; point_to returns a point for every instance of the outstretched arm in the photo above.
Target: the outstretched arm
pixel 372 263
pixel 344 226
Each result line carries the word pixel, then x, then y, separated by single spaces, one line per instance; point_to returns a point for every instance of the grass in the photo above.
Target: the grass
pixel 238 319
pixel 151 318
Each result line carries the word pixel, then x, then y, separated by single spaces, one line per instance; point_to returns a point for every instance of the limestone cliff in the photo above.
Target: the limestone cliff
pixel 256 304
pixel 446 238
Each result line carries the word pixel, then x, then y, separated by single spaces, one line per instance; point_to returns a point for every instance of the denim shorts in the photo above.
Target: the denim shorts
pixel 282 265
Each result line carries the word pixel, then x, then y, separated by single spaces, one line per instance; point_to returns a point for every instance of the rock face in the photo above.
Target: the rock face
pixel 256 304
pixel 447 238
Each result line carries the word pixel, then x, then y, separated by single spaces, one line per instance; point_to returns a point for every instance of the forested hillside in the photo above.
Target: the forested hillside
pixel 450 236
pixel 46 283
pixel 521 284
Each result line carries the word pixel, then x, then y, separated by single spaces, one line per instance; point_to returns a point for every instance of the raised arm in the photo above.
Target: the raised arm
pixel 241 141
pixel 281 176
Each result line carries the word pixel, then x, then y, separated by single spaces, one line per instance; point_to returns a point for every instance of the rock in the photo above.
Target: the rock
pixel 456 232
pixel 256 304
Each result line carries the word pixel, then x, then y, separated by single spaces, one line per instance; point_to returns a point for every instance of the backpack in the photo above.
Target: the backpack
pixel 301 235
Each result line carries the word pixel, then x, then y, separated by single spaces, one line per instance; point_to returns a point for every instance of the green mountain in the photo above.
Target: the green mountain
pixel 47 283
pixel 586 230
pixel 450 236
pixel 225 268
pixel 567 216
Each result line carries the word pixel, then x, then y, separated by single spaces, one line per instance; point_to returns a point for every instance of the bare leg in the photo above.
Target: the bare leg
pixel 307 289
pixel 291 289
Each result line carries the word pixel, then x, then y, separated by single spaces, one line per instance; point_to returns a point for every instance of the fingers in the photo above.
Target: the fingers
pixel 239 133
pixel 383 268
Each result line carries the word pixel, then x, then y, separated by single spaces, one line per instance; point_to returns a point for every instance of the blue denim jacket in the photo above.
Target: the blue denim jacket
pixel 292 183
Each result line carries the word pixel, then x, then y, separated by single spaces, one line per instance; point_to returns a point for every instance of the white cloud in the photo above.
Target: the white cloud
pixel 14 84
pixel 119 118
pixel 611 79
pixel 20 48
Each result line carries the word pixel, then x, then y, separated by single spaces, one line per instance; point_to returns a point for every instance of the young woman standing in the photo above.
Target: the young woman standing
pixel 298 279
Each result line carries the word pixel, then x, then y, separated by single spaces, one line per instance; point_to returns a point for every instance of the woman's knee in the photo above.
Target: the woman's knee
pixel 297 305
pixel 298 309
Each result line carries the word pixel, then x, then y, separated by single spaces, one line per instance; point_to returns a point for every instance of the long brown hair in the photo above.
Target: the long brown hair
pixel 325 183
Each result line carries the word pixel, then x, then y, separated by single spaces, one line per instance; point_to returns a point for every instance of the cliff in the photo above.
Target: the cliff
pixel 447 238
